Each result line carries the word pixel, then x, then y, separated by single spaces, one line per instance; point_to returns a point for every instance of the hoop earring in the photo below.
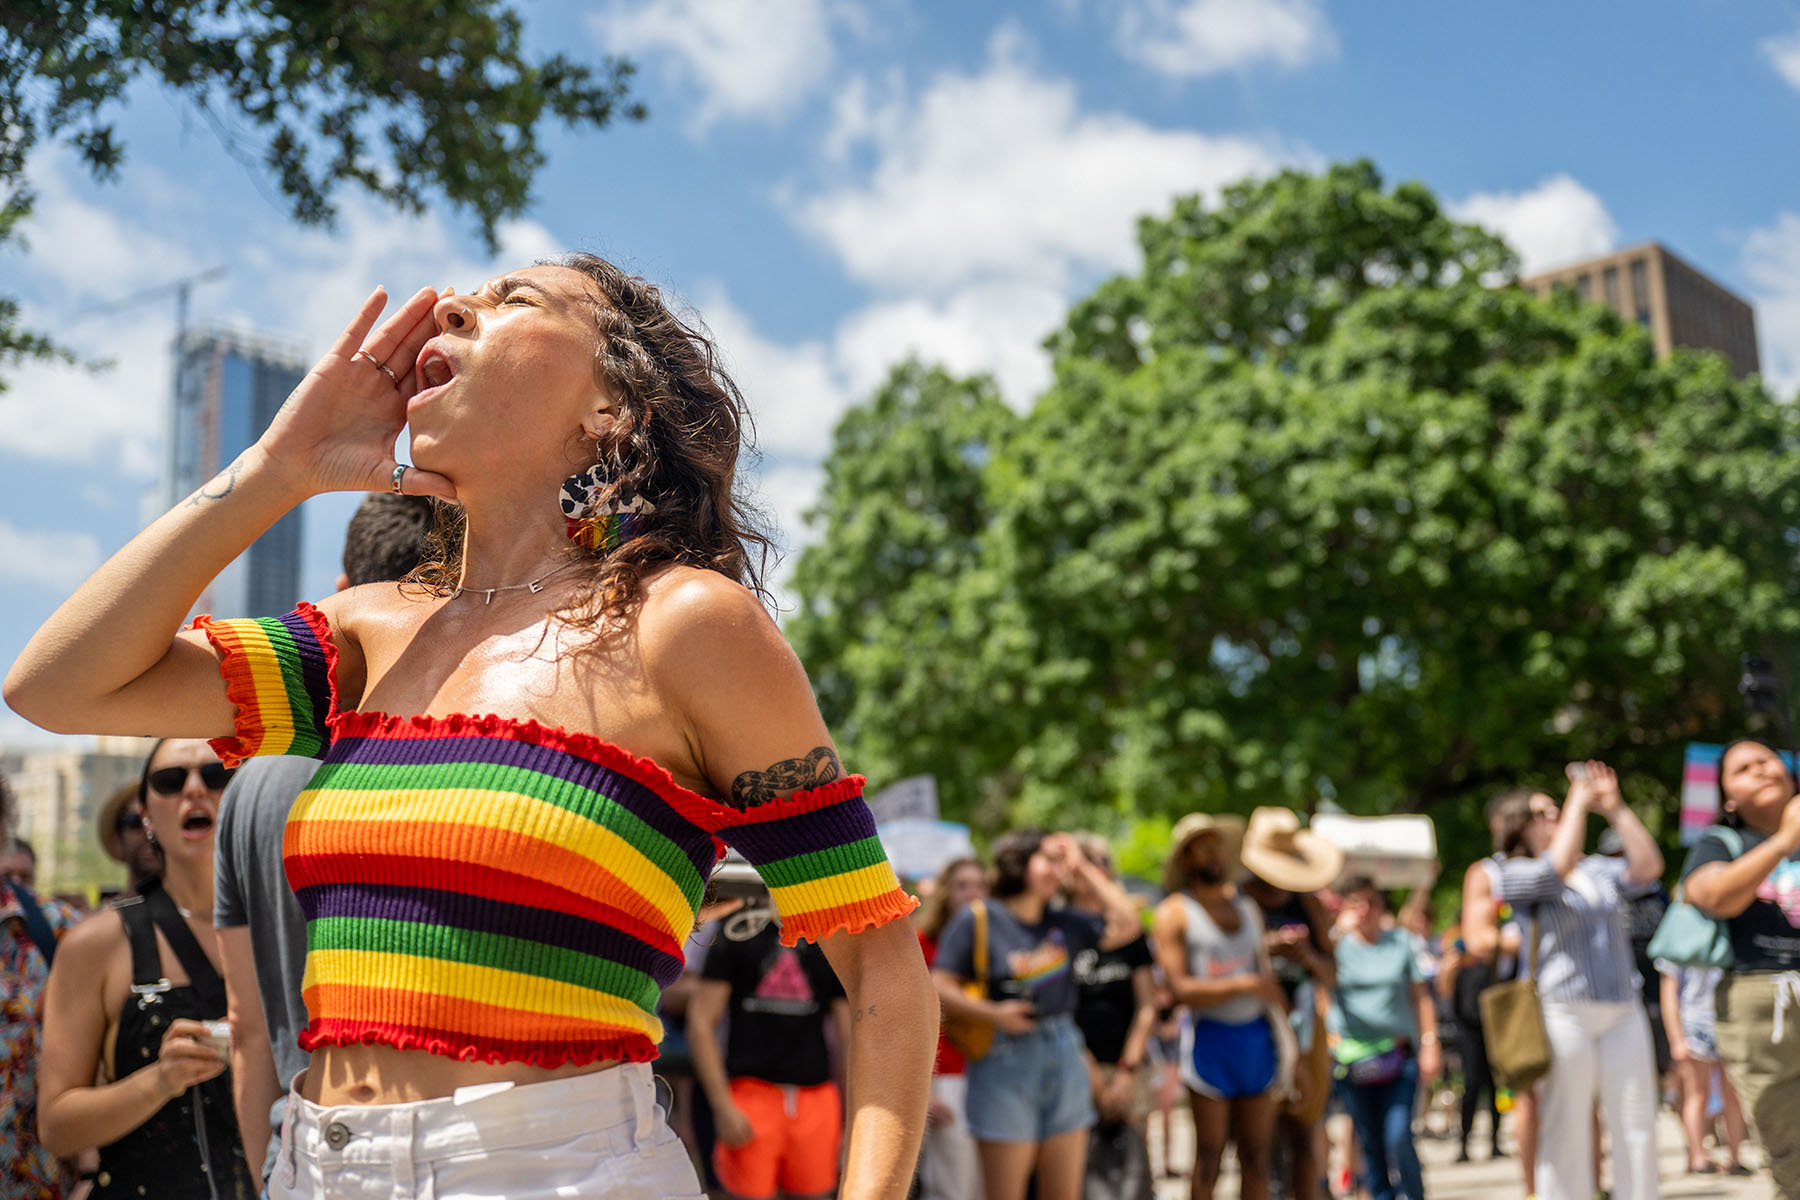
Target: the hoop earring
pixel 594 521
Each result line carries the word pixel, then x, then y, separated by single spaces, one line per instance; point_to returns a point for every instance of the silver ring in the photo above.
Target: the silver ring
pixel 379 366
pixel 399 474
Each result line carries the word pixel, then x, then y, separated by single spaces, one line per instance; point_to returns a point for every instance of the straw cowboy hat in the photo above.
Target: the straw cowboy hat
pixel 1278 851
pixel 107 823
pixel 1229 828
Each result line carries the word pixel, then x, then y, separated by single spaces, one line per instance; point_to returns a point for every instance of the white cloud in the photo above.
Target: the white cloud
pixel 796 393
pixel 995 328
pixel 56 560
pixel 749 59
pixel 1783 50
pixel 1189 39
pixel 1771 261
pixel 1558 221
pixel 1002 176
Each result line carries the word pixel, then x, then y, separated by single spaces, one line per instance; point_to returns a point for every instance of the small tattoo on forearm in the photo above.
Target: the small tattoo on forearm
pixel 820 766
pixel 217 488
pixel 857 1016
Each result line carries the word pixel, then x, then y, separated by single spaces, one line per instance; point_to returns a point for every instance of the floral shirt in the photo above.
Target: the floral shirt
pixel 27 1170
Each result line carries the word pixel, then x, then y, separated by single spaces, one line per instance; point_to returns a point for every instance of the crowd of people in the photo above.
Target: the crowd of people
pixel 422 892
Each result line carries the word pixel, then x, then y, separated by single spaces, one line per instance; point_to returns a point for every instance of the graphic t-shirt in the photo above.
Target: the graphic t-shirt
pixel 1025 962
pixel 1105 1000
pixel 780 996
pixel 1766 935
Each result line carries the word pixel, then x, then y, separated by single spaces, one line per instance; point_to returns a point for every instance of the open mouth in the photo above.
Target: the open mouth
pixel 197 824
pixel 434 370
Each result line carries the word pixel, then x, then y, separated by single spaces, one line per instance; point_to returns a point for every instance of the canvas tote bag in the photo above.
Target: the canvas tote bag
pixel 1512 1023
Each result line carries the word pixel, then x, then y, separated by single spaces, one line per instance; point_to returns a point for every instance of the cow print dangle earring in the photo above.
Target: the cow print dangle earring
pixel 594 520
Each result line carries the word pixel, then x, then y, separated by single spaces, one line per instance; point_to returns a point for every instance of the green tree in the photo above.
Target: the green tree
pixel 402 99
pixel 1320 505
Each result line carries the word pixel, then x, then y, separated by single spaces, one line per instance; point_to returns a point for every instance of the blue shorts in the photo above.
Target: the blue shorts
pixel 1032 1087
pixel 1222 1061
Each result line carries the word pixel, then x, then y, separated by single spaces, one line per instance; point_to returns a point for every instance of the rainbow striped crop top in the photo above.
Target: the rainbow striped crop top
pixel 495 890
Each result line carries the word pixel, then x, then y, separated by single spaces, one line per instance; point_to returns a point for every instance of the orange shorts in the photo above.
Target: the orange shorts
pixel 795 1150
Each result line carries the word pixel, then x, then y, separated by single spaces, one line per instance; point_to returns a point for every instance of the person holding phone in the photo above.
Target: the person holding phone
pixel 1600 1046
pixel 1029 1101
pixel 128 1004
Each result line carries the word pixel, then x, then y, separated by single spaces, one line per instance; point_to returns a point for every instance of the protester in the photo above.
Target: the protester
pixel 1115 1009
pixel 1749 878
pixel 1288 866
pixel 949 1165
pixel 1461 981
pixel 775 1101
pixel 1599 1035
pixel 1687 1012
pixel 1491 947
pixel 1029 1101
pixel 1384 1022
pixel 121 831
pixel 18 863
pixel 498 884
pixel 1209 943
pixel 121 1010
pixel 261 930
pixel 31 928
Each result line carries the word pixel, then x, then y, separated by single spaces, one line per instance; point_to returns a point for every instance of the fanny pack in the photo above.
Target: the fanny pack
pixel 1382 1065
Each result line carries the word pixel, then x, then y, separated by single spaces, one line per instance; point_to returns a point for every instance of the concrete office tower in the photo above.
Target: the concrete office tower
pixel 228 387
pixel 1675 302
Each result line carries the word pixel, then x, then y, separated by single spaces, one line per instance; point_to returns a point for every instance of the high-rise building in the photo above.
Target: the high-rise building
pixel 228 387
pixel 1675 302
pixel 59 793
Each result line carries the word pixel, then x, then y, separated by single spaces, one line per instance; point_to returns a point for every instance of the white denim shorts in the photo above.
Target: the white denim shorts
pixel 599 1134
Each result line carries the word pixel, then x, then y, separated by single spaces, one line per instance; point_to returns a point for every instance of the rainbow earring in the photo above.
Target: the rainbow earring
pixel 595 522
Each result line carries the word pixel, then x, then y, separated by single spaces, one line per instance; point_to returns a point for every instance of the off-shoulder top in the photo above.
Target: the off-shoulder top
pixel 497 890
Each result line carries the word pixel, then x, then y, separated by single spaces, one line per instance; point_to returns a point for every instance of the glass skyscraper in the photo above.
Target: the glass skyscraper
pixel 228 387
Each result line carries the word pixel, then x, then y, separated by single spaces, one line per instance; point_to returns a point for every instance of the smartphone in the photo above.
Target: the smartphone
pixel 218 1036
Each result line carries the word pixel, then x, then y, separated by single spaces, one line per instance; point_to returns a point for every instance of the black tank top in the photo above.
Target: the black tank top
pixel 161 1159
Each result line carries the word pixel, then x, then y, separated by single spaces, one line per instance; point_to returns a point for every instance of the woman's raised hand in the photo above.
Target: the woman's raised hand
pixel 336 432
pixel 184 1059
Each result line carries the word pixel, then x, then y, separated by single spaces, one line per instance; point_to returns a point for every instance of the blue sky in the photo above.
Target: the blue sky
pixel 836 183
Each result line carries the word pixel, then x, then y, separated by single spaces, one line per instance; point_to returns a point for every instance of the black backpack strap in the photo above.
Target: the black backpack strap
pixel 203 977
pixel 36 924
pixel 146 963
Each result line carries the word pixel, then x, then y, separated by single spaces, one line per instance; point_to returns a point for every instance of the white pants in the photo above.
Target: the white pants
pixel 599 1134
pixel 1597 1052
pixel 949 1165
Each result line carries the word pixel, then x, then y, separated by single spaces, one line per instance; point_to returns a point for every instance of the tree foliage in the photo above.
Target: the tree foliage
pixel 404 99
pixel 1318 504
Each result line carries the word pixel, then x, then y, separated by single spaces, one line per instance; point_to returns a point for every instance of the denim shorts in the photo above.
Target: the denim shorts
pixel 600 1134
pixel 1031 1087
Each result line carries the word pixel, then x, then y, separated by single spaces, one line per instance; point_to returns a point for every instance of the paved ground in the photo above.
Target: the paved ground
pixel 1481 1180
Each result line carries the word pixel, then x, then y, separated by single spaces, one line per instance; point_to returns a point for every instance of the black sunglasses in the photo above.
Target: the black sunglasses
pixel 168 781
pixel 130 819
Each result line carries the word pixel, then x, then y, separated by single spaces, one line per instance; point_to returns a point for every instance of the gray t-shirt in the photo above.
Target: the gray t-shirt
pixel 251 888
pixel 1374 997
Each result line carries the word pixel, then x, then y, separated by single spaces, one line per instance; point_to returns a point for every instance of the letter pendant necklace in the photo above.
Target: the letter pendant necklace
pixel 534 586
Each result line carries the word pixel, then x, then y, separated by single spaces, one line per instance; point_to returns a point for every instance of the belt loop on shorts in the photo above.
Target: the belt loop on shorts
pixel 636 1081
pixel 400 1139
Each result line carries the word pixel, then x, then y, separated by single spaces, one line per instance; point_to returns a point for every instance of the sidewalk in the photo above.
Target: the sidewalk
pixel 1445 1179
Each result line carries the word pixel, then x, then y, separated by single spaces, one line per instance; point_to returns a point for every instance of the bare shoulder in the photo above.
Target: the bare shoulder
pixel 1171 914
pixel 370 608
pixel 703 620
pixel 94 939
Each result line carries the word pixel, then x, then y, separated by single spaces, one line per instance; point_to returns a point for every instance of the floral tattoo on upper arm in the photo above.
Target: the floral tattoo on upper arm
pixel 820 766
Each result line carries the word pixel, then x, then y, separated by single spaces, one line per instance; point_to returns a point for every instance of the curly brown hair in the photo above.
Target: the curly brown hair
pixel 680 427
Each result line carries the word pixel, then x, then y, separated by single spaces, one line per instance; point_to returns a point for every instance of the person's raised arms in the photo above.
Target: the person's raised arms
pixel 111 659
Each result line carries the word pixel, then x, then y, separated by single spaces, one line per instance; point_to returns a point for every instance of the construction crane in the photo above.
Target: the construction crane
pixel 182 288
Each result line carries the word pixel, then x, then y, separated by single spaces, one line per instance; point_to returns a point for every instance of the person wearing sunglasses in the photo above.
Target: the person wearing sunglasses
pixel 126 1002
